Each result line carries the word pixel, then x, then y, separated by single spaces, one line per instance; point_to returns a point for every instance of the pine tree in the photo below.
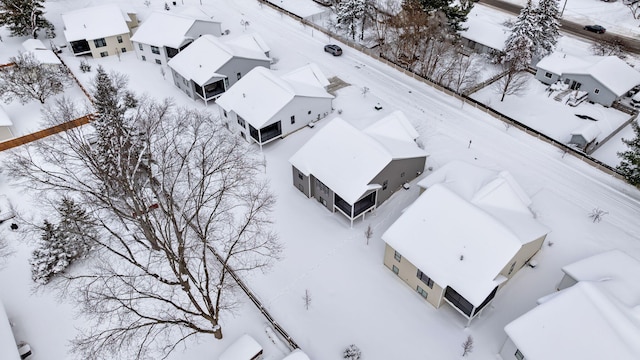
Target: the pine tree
pixel 547 19
pixel 24 17
pixel 520 45
pixel 455 11
pixel 73 224
pixel 50 256
pixel 348 13
pixel 630 164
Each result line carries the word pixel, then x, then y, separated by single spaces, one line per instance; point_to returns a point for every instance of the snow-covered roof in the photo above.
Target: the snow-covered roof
pixel 194 12
pixel 245 348
pixel 201 60
pixel 251 41
pixel 615 270
pixel 589 131
pixel 95 22
pixel 7 341
pixel 165 29
pixel 261 94
pixel 584 321
pixel 346 159
pixel 481 31
pixel 610 71
pixel 4 118
pixel 497 223
pixel 40 52
pixel 297 355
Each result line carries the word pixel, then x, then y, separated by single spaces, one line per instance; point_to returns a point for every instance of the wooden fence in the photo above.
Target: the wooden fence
pixel 21 140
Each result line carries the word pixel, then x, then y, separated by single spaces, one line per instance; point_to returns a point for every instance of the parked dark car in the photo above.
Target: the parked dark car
pixel 595 28
pixel 333 49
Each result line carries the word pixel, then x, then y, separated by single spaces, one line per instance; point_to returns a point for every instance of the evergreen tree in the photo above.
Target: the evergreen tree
pixel 455 11
pixel 73 224
pixel 24 17
pixel 50 256
pixel 348 13
pixel 520 45
pixel 630 164
pixel 547 19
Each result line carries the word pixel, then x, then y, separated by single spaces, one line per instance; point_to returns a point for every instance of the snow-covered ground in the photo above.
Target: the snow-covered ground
pixel 355 299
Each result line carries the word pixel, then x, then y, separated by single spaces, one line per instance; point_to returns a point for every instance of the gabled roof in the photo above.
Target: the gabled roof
pixel 584 321
pixel 95 22
pixel 496 224
pixel 201 60
pixel 165 29
pixel 610 71
pixel 489 33
pixel 589 131
pixel 251 41
pixel 244 348
pixel 346 159
pixel 261 94
pixel 40 52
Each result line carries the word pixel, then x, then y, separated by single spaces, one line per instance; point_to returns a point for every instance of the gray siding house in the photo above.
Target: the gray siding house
pixel 208 67
pixel 352 171
pixel 263 107
pixel 603 78
pixel 164 34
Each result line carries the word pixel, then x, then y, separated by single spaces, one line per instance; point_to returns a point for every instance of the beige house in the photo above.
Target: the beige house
pixel 594 316
pixel 99 31
pixel 5 125
pixel 466 235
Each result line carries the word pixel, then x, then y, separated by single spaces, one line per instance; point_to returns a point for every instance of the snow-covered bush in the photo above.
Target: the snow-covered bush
pixel 352 352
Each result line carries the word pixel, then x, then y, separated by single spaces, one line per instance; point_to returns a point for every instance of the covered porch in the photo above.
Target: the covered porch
pixel 463 305
pixel 80 47
pixel 266 134
pixel 360 208
pixel 171 52
pixel 211 90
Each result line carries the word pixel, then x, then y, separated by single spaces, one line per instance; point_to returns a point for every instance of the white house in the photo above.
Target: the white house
pixel 604 78
pixel 100 31
pixel 209 66
pixel 297 354
pixel 594 315
pixel 354 171
pixel 585 136
pixel 5 125
pixel 40 52
pixel 263 106
pixel 483 36
pixel 164 34
pixel 464 237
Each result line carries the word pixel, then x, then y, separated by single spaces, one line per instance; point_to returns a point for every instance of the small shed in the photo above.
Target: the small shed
pixel 584 135
pixel 245 348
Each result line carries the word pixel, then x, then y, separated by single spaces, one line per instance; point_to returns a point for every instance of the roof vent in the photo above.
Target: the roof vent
pixel 244 95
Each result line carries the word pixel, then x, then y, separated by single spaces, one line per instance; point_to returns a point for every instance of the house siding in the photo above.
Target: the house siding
pixel 322 192
pixel 300 108
pixel 605 97
pixel 183 84
pixel 200 28
pixel 392 172
pixel 523 255
pixel 540 75
pixel 112 47
pixel 5 133
pixel 508 350
pixel 238 65
pixel 301 184
pixel 408 273
pixel 567 281
pixel 149 55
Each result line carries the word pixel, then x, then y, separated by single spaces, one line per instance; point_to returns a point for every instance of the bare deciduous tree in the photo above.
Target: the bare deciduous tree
pixel 368 233
pixel 467 346
pixel 29 79
pixel 514 81
pixel 634 6
pixel 597 214
pixel 190 209
pixel 614 47
pixel 307 299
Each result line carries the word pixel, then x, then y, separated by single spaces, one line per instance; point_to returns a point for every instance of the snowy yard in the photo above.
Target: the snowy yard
pixel 355 299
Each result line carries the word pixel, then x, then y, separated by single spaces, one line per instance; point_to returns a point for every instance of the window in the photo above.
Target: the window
pixel 226 83
pixel 224 112
pixel 100 42
pixel 241 122
pixel 384 184
pixel 140 46
pixel 119 39
pixel 300 176
pixel 124 50
pixel 421 291
pixel 158 62
pixel 425 279
pixel 395 270
pixel 145 59
pixel 397 256
pixel 548 75
pixel 519 355
pixel 155 50
pixel 293 119
pixel 512 267
pixel 104 54
pixel 596 91
pixel 238 75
